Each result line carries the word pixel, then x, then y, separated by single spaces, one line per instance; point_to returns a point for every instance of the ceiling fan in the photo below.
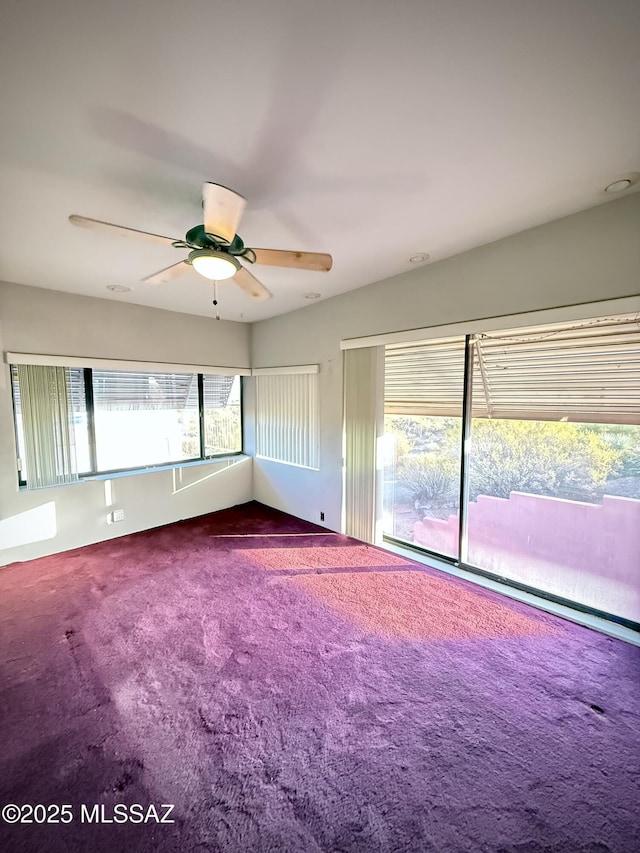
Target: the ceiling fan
pixel 216 248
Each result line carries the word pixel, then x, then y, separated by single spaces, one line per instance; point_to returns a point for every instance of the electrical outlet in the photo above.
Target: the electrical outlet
pixel 117 515
pixel 321 516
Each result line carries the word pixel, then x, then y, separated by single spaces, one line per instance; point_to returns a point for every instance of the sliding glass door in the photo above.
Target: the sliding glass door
pixel 551 486
pixel 424 389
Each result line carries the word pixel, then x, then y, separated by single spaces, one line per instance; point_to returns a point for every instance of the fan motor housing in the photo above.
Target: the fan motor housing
pixel 199 239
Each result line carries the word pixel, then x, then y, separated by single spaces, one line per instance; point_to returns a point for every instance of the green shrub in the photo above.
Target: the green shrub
pixel 420 433
pixel 541 458
pixel 623 438
pixel 429 479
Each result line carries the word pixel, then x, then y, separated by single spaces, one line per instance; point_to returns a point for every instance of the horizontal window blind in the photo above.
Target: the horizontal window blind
pixel 217 391
pixel 585 372
pixel 287 424
pixel 132 390
pixel 425 379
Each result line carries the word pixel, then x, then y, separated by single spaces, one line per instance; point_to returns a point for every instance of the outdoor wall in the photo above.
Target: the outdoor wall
pixel 44 521
pixel 580 551
pixel 590 256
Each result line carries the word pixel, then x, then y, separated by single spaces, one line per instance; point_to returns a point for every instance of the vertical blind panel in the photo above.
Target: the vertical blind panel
pixel 44 405
pixel 287 425
pixel 360 428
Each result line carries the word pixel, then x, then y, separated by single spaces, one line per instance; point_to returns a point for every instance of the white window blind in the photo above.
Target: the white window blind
pixel 425 379
pixel 44 405
pixel 363 424
pixel 287 421
pixel 133 391
pixel 583 372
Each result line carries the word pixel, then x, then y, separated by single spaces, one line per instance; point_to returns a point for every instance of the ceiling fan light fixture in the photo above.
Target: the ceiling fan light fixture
pixel 213 264
pixel 216 246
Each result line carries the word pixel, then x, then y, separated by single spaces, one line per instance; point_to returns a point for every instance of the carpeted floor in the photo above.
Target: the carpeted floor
pixel 295 691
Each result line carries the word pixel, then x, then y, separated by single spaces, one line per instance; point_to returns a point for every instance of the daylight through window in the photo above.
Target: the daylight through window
pixel 117 420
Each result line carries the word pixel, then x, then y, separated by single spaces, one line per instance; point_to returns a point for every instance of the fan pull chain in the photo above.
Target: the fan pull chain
pixel 215 299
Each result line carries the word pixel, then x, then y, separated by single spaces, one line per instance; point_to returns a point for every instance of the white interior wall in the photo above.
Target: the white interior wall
pixel 33 320
pixel 587 257
pixel 590 256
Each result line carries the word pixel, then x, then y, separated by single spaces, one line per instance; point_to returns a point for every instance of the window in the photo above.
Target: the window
pixel 222 418
pixel 114 420
pixel 424 387
pixel 547 493
pixel 143 419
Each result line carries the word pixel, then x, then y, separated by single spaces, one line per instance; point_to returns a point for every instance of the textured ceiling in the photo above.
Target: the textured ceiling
pixel 371 130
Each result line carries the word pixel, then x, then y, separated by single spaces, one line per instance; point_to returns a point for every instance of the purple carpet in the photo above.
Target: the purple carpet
pixel 291 690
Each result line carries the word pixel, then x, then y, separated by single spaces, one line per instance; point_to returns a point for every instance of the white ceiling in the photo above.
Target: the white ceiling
pixel 369 129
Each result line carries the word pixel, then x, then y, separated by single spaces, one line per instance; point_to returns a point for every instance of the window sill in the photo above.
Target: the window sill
pixel 152 469
pixel 229 459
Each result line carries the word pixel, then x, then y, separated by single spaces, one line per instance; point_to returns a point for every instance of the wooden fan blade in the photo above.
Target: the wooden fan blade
pixel 222 211
pixel 99 225
pixel 249 283
pixel 167 273
pixel 297 260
